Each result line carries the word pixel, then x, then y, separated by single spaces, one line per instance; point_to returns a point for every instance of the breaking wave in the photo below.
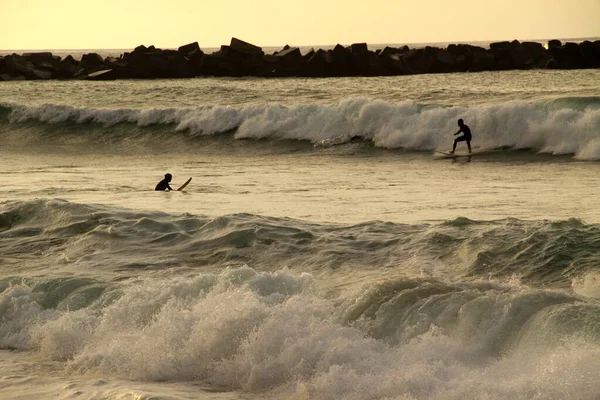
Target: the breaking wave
pixel 561 126
pixel 488 310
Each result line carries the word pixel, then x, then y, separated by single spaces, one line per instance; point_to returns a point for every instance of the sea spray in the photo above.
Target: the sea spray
pixel 406 125
pixel 251 331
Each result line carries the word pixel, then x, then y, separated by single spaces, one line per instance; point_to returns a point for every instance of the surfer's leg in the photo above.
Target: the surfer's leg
pixel 458 139
pixel 469 145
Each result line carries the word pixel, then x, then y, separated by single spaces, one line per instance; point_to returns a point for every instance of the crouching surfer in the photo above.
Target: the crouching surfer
pixel 466 137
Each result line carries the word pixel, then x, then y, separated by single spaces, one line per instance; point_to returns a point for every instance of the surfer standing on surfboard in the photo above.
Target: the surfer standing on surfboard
pixel 466 137
pixel 164 184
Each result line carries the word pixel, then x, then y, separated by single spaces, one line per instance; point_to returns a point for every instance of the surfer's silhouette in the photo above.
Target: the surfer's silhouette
pixel 164 184
pixel 466 137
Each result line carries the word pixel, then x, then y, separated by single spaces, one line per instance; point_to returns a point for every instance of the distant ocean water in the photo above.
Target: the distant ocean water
pixel 321 250
pixel 77 53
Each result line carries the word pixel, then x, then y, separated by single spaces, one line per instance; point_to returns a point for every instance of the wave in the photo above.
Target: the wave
pixel 559 126
pixel 273 333
pixel 288 309
pixel 78 237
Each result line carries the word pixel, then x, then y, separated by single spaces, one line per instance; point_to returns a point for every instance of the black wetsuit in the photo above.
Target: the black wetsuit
pixel 466 134
pixel 163 185
pixel 466 137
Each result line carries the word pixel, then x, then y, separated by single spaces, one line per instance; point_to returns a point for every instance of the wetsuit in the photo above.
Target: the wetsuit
pixel 163 185
pixel 466 137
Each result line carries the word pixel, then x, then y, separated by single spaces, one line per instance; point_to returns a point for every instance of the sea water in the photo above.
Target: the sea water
pixel 321 250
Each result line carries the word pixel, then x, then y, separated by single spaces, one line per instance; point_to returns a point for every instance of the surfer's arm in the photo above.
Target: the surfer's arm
pixel 459 131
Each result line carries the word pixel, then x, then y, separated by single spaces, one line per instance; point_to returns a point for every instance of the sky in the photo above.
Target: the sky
pixel 125 24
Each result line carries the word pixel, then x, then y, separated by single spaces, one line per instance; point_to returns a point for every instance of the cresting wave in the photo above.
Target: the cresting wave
pixel 79 238
pixel 272 333
pixel 559 126
pixel 253 304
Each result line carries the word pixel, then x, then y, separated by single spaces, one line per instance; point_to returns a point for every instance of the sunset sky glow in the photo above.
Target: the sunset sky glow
pixel 117 24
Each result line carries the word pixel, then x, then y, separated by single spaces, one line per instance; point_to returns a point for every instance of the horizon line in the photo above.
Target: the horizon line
pixel 312 45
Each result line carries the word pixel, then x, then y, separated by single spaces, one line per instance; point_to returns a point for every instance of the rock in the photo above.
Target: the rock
pixel 47 66
pixel 482 61
pixel 422 60
pixel 91 60
pixel 445 60
pixel 359 48
pixel 566 56
pixel 340 58
pixel 42 74
pixel 217 65
pixel 271 59
pixel 16 65
pixel 181 67
pixel 590 52
pixel 289 62
pixel 535 52
pixel 41 57
pixel 189 48
pixel 291 53
pixel 554 43
pixel 8 78
pixel 309 54
pixel 67 67
pixel 393 63
pixel 103 75
pixel 114 62
pixel 501 52
pixel 319 65
pixel 387 50
pixel 246 48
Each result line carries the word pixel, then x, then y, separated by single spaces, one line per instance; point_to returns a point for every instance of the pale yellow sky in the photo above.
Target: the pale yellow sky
pixel 122 24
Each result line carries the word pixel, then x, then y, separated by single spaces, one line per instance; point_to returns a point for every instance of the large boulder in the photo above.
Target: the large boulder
pixel 68 67
pixel 482 61
pixel 567 56
pixel 8 78
pixel 445 61
pixel 535 53
pixel 319 64
pixel 340 61
pixel 554 43
pixel 245 63
pixel 16 65
pixel 359 48
pixel 150 62
pixel 217 64
pixel 92 61
pixel 37 58
pixel 590 52
pixel 189 48
pixel 393 63
pixel 289 62
pixel 246 48
pixel 103 75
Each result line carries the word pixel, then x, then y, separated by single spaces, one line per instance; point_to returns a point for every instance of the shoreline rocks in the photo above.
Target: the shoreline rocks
pixel 241 58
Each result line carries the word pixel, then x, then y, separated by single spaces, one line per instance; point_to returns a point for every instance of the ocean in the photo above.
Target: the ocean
pixel 322 249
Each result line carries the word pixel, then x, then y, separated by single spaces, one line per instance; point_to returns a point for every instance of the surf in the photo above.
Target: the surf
pixel 408 126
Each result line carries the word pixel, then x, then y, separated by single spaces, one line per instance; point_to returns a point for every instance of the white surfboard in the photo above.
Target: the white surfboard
pixel 445 155
pixel 185 184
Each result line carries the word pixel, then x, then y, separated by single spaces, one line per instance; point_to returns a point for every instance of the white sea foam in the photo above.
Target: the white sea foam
pixel 243 330
pixel 516 125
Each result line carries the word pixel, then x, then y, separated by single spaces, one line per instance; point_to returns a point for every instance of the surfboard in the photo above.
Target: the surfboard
pixel 185 184
pixel 446 155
